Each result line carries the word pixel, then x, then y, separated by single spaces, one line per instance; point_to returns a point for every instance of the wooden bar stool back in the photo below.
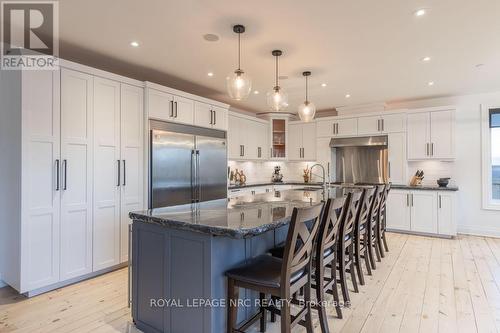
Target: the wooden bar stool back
pixel 361 234
pixel 382 222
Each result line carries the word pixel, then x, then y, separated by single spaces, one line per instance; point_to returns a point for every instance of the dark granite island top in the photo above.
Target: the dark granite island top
pixel 239 217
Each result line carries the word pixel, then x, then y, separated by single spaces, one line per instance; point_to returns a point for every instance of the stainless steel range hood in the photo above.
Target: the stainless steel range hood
pixel 365 141
pixel 361 159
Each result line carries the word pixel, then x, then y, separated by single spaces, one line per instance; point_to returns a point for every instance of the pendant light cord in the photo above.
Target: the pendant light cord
pixel 239 51
pixel 307 97
pixel 277 64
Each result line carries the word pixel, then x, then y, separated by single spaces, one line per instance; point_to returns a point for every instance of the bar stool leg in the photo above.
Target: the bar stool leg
pixel 263 313
pixel 307 298
pixel 352 268
pixel 320 296
pixel 335 291
pixel 232 305
pixel 385 242
pixel 357 257
pixel 285 317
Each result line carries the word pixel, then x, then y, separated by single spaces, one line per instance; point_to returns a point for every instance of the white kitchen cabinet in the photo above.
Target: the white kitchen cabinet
pixel 446 213
pixel 380 124
pixel 324 155
pixel 279 138
pixel 132 156
pixel 302 141
pixel 247 138
pixel 398 210
pixel 159 105
pixel 107 167
pixel 183 110
pixel 337 127
pixel 38 262
pixel 261 137
pixel 206 115
pixel 424 211
pixel 76 171
pixel 397 158
pixel 431 135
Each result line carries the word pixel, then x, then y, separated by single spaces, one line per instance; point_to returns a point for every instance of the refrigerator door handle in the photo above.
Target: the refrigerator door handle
pixel 193 175
pixel 198 195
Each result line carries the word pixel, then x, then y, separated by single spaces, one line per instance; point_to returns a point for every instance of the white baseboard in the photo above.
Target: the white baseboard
pixel 474 230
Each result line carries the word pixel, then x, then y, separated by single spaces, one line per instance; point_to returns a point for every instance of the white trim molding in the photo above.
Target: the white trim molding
pixel 488 202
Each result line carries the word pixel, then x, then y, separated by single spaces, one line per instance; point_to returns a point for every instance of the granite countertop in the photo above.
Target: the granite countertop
pixel 233 187
pixel 240 217
pixel 424 187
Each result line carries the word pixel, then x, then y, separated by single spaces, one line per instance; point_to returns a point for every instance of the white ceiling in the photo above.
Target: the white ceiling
pixel 369 49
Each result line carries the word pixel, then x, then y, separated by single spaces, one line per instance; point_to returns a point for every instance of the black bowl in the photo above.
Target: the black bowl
pixel 443 182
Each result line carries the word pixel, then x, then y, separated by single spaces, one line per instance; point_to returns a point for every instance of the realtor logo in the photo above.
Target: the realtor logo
pixel 29 36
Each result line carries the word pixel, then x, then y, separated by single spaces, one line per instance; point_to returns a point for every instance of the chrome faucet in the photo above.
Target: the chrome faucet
pixel 325 185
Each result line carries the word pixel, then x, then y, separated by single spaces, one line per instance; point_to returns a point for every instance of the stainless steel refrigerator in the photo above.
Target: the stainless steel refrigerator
pixel 188 164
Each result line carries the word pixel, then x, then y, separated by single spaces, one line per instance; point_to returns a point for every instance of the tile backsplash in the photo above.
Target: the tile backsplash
pixel 257 172
pixel 433 170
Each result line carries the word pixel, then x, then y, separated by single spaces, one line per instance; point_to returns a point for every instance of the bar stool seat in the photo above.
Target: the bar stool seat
pixel 263 270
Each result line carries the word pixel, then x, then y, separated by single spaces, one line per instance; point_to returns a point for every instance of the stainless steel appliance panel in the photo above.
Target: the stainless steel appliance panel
pixel 171 168
pixel 211 168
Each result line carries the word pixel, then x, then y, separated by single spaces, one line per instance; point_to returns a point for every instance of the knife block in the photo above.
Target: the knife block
pixel 416 181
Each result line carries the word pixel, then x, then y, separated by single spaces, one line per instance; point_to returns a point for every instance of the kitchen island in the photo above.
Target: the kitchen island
pixel 180 255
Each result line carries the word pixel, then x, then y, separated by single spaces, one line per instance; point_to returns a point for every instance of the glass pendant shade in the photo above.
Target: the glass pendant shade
pixel 277 99
pixel 238 85
pixel 307 110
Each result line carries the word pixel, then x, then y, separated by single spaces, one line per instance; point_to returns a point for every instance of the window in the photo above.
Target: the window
pixel 491 157
pixel 495 152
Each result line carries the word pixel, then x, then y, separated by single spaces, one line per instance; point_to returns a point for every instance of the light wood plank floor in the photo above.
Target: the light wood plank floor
pixel 423 285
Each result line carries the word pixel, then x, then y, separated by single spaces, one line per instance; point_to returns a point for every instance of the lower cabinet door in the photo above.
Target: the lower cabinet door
pixel 398 210
pixel 424 211
pixel 446 214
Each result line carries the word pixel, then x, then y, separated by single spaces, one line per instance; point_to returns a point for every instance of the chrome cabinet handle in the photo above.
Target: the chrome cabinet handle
pixel 171 114
pixel 119 172
pixel 383 124
pixel 175 109
pixel 407 200
pixel 378 125
pixel 389 169
pixel 412 199
pixel 65 169
pixel 259 152
pixel 124 173
pixel 432 149
pixel 215 117
pixel 427 149
pixel 57 175
pixel 440 201
pixel 211 117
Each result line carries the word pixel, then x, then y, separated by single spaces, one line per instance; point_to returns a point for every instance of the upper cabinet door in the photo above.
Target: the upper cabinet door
pixel 347 127
pixel 325 128
pixel 393 123
pixel 107 163
pixel 76 171
pixel 160 105
pixel 132 155
pixel 442 138
pixel 263 141
pixel 183 110
pixel 220 118
pixel 233 138
pixel 294 141
pixel 203 115
pixel 397 158
pixel 369 125
pixel 309 141
pixel 418 131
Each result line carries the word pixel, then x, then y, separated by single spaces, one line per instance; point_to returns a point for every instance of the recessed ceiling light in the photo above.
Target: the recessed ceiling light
pixel 430 83
pixel 283 77
pixel 210 37
pixel 420 12
pixel 426 59
pixel 256 92
pixel 134 44
pixel 323 84
pixel 347 96
pixel 210 74
pixel 479 65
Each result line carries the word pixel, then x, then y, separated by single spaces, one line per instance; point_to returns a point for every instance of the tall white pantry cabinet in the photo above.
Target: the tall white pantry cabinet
pixel 72 145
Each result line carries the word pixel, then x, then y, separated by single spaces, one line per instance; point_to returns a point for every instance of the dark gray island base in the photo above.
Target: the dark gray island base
pixel 180 255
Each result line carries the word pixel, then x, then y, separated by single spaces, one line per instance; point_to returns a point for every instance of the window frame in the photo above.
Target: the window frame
pixel 487 194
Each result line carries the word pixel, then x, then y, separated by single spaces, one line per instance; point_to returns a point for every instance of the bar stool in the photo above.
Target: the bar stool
pixel 280 278
pixel 345 249
pixel 373 245
pixel 326 256
pixel 382 222
pixel 361 234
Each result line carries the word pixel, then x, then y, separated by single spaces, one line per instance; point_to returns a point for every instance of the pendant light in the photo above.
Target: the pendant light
pixel 277 99
pixel 307 110
pixel 238 84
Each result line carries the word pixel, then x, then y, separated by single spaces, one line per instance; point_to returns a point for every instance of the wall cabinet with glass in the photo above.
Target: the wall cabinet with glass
pixel 279 136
